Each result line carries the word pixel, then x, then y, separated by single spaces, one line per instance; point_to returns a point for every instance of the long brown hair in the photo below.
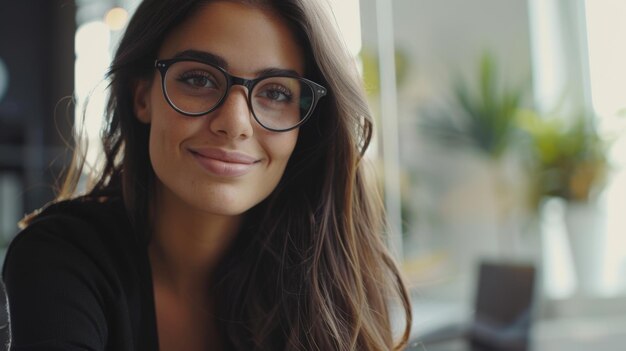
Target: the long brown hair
pixel 309 270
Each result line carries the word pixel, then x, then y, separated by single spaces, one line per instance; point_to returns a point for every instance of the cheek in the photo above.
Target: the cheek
pixel 161 153
pixel 282 146
pixel 161 138
pixel 167 132
pixel 278 148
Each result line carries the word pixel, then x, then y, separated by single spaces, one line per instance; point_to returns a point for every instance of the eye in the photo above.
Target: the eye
pixel 198 79
pixel 275 93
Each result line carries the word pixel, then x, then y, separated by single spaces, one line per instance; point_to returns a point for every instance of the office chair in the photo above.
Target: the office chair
pixel 502 313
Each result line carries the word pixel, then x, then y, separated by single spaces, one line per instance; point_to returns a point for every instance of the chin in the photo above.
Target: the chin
pixel 222 206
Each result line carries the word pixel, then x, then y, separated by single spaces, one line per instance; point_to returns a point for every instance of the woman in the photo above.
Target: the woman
pixel 232 212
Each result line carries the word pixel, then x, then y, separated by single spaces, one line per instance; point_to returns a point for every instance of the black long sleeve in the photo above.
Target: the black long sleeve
pixel 78 279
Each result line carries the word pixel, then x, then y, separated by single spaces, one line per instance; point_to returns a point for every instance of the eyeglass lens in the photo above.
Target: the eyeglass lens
pixel 276 102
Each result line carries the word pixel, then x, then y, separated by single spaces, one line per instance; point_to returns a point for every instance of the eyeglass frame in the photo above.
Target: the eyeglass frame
pixel 162 66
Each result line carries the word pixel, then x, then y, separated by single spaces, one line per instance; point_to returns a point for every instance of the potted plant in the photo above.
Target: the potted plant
pixel 481 113
pixel 480 116
pixel 568 161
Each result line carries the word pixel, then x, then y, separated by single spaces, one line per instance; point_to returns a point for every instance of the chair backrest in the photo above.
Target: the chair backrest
pixel 503 306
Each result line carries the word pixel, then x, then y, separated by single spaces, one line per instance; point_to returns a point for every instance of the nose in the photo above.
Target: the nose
pixel 233 118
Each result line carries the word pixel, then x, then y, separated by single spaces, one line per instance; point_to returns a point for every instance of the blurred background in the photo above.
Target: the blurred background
pixel 500 143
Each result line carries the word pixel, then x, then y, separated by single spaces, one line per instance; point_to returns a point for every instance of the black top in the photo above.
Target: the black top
pixel 78 278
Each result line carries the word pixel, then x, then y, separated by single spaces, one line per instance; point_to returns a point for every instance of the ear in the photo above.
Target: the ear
pixel 141 100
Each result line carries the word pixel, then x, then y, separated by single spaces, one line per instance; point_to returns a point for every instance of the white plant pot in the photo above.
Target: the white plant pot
pixel 585 225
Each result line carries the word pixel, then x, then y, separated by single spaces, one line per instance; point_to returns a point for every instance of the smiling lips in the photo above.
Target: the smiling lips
pixel 224 163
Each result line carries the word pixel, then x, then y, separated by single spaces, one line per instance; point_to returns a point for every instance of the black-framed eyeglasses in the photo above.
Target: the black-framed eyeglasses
pixel 278 102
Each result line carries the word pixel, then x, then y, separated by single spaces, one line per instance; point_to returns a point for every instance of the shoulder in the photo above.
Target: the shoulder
pixel 78 231
pixel 80 222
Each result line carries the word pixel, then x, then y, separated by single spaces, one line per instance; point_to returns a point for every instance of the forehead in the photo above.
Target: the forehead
pixel 248 38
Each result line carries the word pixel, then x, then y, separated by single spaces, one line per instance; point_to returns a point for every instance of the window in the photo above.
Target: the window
pixel 606 30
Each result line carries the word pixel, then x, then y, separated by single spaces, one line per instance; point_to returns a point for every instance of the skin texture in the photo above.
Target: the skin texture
pixel 252 44
pixel 197 209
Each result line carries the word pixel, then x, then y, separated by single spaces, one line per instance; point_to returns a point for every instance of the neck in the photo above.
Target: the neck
pixel 187 244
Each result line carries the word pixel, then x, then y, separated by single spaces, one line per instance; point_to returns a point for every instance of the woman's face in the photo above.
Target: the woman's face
pixel 223 162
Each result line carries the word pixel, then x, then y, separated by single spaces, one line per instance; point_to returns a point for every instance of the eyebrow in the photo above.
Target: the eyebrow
pixel 203 56
pixel 277 72
pixel 221 62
